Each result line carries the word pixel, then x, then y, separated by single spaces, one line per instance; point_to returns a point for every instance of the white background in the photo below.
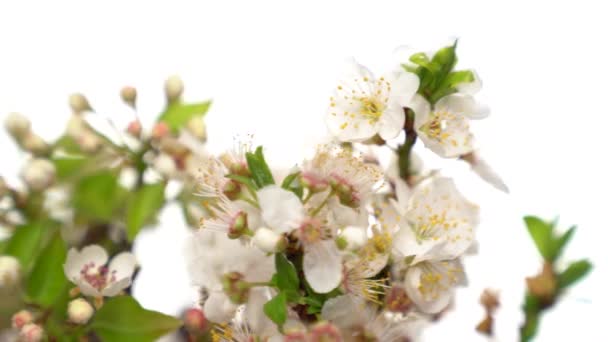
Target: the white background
pixel 270 67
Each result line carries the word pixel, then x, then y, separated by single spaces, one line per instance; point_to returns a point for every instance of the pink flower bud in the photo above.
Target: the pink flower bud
pixel 195 321
pixel 31 333
pixel 160 130
pixel 134 128
pixel 21 318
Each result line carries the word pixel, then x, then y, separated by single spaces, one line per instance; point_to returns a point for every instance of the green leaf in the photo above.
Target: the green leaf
pixel 122 319
pixel 47 281
pixel 276 309
pixel 423 60
pixel 573 273
pixel 25 243
pixel 445 59
pixel 68 166
pixel 541 232
pixel 561 242
pixel 289 179
pixel 178 114
pixel 97 196
pixel 456 77
pixel 143 206
pixel 260 172
pixel 287 275
pixel 245 181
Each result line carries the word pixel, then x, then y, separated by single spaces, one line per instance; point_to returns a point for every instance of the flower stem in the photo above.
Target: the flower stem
pixel 405 150
pixel 317 209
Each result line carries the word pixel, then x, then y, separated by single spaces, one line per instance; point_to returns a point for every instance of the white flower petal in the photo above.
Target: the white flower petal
pixel 218 308
pixel 457 103
pixel 281 209
pixel 322 266
pixel 95 254
pixel 346 128
pixel 391 122
pixel 116 287
pixel 342 311
pixel 75 260
pixel 470 88
pixel 403 87
pixel 86 289
pixel 430 285
pixel 421 108
pixel 123 265
pixel 485 171
pixel 440 214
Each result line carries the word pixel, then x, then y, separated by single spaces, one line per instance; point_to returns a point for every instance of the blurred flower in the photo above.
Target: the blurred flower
pixel 363 106
pixel 38 174
pixel 10 271
pixel 129 95
pixel 31 333
pixel 87 269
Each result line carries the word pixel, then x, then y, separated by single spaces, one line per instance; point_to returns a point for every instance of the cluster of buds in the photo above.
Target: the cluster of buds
pixel 29 331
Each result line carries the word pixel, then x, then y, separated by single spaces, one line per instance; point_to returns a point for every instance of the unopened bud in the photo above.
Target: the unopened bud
pixel 195 321
pixel 489 300
pixel 38 174
pixel 235 287
pixel 89 142
pixel 129 95
pixel 165 164
pixel 160 130
pixel 397 300
pixel 174 87
pixel 196 126
pixel 34 144
pixel 345 192
pixel 79 103
pixel 354 237
pixel 268 241
pixel 21 318
pixel 80 311
pixel 10 271
pixel 17 124
pixel 313 183
pixel 238 226
pixel 76 126
pixel 31 333
pixel 543 285
pixel 232 189
pixel 134 128
pixel 324 332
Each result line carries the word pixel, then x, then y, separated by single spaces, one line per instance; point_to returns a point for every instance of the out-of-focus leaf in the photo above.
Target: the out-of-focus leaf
pixel 573 273
pixel 560 243
pixel 178 114
pixel 47 281
pixel 97 196
pixel 122 319
pixel 25 243
pixel 541 233
pixel 423 60
pixel 143 206
pixel 68 166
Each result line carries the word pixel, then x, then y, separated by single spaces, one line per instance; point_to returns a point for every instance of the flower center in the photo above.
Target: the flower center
pixel 310 231
pixel 371 108
pixel 97 276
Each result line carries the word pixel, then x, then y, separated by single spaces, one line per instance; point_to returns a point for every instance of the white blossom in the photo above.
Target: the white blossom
pixel 38 174
pixel 88 270
pixel 10 271
pixel 363 105
pixel 445 128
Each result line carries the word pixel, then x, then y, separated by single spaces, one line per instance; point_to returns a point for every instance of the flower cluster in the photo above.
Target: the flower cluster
pixel 343 248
